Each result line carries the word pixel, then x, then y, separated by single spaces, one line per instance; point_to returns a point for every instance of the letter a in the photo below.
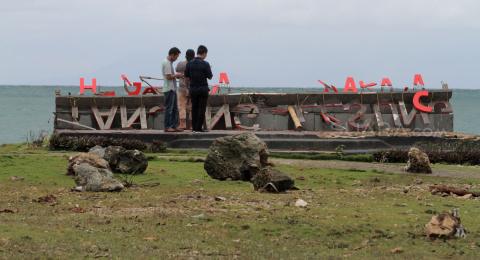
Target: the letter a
pixel 386 82
pixel 418 80
pixel 350 85
pixel 224 78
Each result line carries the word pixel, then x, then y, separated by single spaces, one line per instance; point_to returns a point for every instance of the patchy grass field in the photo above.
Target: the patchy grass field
pixel 174 211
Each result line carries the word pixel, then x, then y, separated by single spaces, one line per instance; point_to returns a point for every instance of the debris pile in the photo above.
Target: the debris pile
pixel 245 157
pixel 445 190
pixel 418 161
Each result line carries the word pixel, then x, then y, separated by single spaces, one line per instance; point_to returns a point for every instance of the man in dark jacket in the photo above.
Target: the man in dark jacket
pixel 198 72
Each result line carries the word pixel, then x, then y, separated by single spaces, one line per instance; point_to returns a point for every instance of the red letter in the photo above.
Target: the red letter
pixel 215 90
pixel 386 82
pixel 418 80
pixel 150 90
pixel 125 80
pixel 224 78
pixel 418 105
pixel 369 85
pixel 350 85
pixel 93 87
pixel 138 88
pixel 326 87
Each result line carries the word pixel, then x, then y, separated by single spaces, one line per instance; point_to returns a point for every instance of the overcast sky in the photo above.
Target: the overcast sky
pixel 262 43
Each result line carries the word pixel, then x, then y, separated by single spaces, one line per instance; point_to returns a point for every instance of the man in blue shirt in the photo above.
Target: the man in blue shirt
pixel 198 72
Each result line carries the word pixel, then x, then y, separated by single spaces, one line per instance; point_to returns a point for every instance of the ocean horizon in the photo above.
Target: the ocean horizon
pixel 28 109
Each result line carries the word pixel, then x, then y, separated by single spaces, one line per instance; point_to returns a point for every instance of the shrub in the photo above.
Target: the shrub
pixel 84 143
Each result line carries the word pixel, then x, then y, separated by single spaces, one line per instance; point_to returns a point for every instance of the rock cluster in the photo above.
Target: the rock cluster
pixel 93 171
pixel 418 161
pixel 245 157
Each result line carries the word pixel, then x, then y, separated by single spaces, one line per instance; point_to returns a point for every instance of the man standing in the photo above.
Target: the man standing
pixel 170 91
pixel 198 71
pixel 182 92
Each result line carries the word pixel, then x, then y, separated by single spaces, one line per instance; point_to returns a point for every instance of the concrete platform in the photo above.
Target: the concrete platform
pixel 304 141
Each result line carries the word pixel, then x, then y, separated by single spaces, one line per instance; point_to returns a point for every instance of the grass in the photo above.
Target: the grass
pixel 172 212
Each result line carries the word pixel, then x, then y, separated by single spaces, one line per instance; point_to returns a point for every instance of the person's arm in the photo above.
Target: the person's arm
pixel 209 71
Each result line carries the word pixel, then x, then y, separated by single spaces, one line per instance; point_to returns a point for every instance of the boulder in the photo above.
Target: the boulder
pixel 122 160
pixel 418 161
pixel 236 157
pixel 272 180
pixel 90 178
pixel 245 157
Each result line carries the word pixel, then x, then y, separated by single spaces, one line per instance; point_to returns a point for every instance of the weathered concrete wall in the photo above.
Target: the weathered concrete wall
pixel 267 111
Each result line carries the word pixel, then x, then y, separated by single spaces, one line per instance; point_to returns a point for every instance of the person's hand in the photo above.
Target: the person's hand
pixel 179 75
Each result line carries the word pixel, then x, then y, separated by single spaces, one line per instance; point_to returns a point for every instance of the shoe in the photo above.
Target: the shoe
pixel 178 130
pixel 169 130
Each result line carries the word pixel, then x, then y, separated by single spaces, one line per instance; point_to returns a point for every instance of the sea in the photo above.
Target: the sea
pixel 28 111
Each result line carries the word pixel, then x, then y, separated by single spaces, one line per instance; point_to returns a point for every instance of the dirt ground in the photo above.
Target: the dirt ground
pixel 440 170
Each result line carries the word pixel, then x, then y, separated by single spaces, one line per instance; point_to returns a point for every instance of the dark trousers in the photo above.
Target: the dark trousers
pixel 171 109
pixel 199 98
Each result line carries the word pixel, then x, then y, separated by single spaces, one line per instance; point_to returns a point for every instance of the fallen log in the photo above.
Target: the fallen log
pixel 449 189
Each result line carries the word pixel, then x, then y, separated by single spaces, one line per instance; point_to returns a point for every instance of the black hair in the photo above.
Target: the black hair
pixel 174 51
pixel 202 50
pixel 190 54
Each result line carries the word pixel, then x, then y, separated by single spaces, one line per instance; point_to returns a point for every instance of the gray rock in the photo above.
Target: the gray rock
pixel 237 157
pixel 98 150
pixel 418 161
pixel 272 180
pixel 125 161
pixel 91 178
pixel 90 158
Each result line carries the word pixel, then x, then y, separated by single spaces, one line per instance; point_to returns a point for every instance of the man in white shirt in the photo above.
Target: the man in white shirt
pixel 170 91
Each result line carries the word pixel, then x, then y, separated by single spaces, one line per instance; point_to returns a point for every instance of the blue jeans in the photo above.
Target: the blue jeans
pixel 171 109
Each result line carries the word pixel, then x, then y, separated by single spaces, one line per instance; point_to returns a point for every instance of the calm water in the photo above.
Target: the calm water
pixel 25 109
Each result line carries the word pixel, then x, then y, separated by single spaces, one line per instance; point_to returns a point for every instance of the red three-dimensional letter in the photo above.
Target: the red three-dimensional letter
pixel 326 87
pixel 224 78
pixel 418 105
pixel 350 85
pixel 386 82
pixel 214 89
pixel 93 87
pixel 368 85
pixel 125 80
pixel 418 80
pixel 136 92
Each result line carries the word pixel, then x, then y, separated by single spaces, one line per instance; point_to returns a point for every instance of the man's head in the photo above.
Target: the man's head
pixel 190 54
pixel 173 54
pixel 202 51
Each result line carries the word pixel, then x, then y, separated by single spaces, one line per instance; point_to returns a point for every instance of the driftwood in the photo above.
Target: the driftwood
pixel 450 189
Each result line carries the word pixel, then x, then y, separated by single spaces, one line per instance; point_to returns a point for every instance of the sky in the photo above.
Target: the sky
pixel 263 43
